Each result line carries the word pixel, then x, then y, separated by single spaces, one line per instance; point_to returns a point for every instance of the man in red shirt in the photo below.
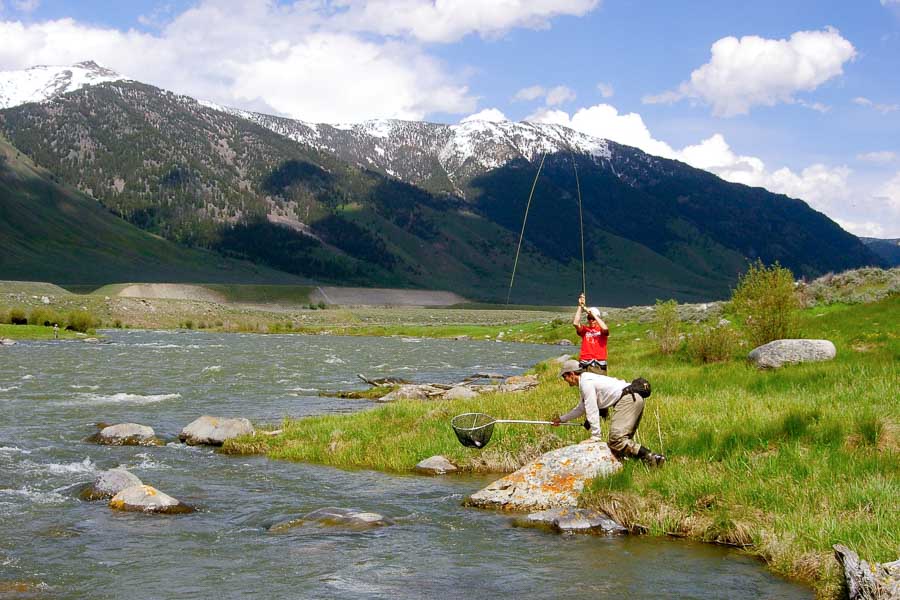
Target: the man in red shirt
pixel 593 336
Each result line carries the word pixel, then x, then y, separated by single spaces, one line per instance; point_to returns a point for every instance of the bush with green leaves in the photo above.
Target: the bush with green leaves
pixel 17 316
pixel 766 297
pixel 80 320
pixel 666 326
pixel 713 344
pixel 43 316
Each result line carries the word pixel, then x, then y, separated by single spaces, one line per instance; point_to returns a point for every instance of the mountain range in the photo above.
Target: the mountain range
pixel 410 204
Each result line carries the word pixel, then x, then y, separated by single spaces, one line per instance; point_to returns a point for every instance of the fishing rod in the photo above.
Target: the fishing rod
pixel 525 220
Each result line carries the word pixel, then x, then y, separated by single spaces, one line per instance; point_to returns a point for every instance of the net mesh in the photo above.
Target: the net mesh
pixel 473 430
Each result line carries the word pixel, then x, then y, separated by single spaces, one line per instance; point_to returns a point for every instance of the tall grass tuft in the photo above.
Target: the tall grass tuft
pixel 712 344
pixel 768 300
pixel 80 320
pixel 666 326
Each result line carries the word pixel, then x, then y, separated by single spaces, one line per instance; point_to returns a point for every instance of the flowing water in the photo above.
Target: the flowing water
pixel 52 393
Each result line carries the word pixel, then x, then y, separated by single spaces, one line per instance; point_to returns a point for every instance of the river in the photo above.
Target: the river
pixel 52 394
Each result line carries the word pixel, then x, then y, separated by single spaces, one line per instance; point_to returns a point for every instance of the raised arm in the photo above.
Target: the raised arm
pixel 577 320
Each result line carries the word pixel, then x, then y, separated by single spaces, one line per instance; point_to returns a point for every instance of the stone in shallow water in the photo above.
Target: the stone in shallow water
pixel 435 465
pixel 553 479
pixel 781 352
pixel 126 434
pixel 108 484
pixel 576 520
pixel 459 392
pixel 345 518
pixel 412 392
pixel 147 499
pixel 213 431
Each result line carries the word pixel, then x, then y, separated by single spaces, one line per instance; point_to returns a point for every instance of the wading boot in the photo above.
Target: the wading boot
pixel 651 459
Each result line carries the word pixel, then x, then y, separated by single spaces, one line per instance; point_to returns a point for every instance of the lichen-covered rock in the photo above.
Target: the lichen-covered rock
pixel 435 465
pixel 780 352
pixel 147 499
pixel 412 392
pixel 126 434
pixel 459 392
pixel 575 520
pixel 865 581
pixel 108 484
pixel 553 479
pixel 213 431
pixel 344 518
pixel 564 342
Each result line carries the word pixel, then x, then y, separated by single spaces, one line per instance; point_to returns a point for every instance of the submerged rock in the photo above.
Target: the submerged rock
pixel 126 434
pixel 108 484
pixel 575 520
pixel 435 465
pixel 865 581
pixel 148 499
pixel 780 352
pixel 553 479
pixel 213 431
pixel 459 392
pixel 345 518
pixel 565 342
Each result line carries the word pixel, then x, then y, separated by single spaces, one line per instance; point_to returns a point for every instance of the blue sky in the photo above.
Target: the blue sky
pixel 804 100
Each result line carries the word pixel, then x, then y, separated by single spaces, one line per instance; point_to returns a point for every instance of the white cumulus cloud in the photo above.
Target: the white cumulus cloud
pixel 882 108
pixel 488 114
pixel 755 71
pixel 450 20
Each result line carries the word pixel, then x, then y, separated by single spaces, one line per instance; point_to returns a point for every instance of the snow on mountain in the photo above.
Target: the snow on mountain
pixel 418 152
pixel 44 82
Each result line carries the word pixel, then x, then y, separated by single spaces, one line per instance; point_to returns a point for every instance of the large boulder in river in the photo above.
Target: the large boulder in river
pixel 572 520
pixel 7 342
pixel 108 484
pixel 126 434
pixel 435 465
pixel 344 518
pixel 554 479
pixel 213 431
pixel 147 499
pixel 780 352
pixel 865 581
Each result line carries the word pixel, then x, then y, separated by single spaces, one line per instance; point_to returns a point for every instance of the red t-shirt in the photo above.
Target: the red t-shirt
pixel 593 342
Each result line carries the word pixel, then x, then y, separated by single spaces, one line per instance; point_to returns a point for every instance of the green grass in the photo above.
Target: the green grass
pixel 783 463
pixel 32 332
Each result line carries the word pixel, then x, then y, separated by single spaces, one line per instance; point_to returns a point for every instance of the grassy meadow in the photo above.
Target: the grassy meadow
pixel 781 463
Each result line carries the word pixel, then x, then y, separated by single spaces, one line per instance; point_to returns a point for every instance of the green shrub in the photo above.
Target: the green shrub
pixel 666 326
pixel 188 324
pixel 713 344
pixel 767 299
pixel 17 316
pixel 117 324
pixel 43 316
pixel 321 305
pixel 80 320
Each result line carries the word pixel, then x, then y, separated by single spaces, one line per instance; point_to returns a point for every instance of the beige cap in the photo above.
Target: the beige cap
pixel 570 366
pixel 594 312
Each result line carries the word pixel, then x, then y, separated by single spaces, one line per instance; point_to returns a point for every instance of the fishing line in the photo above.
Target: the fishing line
pixel 580 224
pixel 522 233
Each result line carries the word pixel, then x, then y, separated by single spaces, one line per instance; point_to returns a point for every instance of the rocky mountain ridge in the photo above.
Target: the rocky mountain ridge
pixel 45 82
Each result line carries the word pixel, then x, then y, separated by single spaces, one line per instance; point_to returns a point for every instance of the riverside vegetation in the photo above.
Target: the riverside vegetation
pixel 782 464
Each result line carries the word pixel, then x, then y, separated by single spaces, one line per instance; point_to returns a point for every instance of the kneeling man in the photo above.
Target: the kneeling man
pixel 599 393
